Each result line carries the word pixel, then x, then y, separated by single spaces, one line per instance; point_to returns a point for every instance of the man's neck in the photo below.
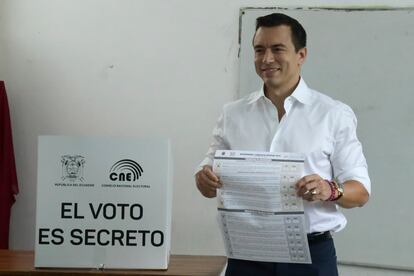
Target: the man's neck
pixel 278 94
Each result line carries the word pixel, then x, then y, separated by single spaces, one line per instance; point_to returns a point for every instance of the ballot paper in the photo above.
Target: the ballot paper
pixel 260 216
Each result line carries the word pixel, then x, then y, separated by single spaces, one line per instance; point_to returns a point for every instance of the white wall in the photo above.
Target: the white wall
pixel 2 38
pixel 126 68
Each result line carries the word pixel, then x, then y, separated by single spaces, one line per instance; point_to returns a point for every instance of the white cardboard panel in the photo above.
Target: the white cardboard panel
pixel 103 202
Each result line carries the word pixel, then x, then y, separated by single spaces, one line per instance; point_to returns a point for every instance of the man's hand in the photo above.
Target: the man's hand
pixel 313 187
pixel 207 182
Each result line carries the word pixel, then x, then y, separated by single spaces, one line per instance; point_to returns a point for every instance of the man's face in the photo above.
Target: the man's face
pixel 276 60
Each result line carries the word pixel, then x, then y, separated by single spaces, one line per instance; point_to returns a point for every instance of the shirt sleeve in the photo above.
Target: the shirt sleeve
pixel 348 160
pixel 218 143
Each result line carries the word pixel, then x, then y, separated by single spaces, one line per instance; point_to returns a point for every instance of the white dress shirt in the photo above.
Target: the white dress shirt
pixel 314 124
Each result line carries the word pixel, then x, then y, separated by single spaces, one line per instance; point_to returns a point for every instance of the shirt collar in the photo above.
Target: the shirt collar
pixel 255 96
pixel 301 93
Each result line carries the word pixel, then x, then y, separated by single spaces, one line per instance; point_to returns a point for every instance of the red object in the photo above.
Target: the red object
pixel 8 176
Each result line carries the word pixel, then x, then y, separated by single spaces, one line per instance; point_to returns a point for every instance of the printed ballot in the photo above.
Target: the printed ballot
pixel 260 216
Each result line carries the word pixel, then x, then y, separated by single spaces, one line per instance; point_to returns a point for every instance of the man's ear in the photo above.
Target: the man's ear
pixel 302 54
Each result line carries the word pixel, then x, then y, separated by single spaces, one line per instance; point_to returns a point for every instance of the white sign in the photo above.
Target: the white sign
pixel 103 203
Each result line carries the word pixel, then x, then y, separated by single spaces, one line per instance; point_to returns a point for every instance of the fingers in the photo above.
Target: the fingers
pixel 210 174
pixel 207 182
pixel 206 191
pixel 204 180
pixel 306 184
pixel 312 188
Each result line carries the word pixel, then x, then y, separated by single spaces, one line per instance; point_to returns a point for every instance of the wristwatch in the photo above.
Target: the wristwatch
pixel 339 187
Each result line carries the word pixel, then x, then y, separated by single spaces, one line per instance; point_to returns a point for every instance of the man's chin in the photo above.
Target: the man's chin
pixel 271 83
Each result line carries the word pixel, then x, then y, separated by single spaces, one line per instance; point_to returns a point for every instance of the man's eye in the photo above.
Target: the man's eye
pixel 258 51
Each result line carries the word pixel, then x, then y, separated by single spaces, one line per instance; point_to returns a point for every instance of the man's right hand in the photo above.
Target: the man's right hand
pixel 207 182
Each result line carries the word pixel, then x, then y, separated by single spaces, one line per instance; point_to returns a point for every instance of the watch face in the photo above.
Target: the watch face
pixel 341 187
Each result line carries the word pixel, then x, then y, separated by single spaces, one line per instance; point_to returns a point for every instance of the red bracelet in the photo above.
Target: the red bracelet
pixel 332 197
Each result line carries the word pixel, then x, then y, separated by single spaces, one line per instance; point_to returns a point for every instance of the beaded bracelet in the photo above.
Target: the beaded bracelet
pixel 333 196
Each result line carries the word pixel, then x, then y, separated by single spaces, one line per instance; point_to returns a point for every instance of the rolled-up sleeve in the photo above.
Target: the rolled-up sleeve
pixel 218 143
pixel 348 160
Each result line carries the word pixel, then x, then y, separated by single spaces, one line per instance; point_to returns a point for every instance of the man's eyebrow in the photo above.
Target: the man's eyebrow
pixel 271 46
pixel 278 45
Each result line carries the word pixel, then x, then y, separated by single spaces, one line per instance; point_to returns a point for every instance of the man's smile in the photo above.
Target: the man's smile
pixel 270 71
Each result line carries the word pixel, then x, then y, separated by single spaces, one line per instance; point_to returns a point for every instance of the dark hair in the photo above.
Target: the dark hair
pixel 298 33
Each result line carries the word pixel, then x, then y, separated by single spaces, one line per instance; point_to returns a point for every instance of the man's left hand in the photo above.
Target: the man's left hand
pixel 312 187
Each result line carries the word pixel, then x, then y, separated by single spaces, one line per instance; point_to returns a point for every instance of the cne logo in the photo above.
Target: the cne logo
pixel 125 170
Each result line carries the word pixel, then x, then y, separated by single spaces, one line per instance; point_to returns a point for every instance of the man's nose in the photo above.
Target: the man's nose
pixel 268 56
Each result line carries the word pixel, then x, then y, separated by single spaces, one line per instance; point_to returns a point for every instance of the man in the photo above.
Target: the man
pixel 287 116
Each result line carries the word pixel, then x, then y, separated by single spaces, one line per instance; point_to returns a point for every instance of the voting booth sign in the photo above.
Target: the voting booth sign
pixel 103 203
